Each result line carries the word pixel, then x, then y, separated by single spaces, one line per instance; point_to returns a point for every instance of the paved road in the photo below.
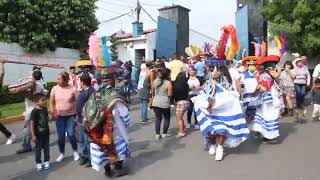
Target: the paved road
pixel 296 158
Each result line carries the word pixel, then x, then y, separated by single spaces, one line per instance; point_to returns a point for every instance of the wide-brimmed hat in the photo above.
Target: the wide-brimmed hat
pixel 268 61
pixel 296 61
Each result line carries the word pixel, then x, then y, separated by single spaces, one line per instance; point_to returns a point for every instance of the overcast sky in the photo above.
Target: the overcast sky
pixel 206 16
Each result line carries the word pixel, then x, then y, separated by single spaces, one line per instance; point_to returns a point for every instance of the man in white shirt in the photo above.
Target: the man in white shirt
pixel 316 71
pixel 30 105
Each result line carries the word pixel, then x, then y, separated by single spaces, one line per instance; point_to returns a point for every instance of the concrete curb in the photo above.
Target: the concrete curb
pixel 11 119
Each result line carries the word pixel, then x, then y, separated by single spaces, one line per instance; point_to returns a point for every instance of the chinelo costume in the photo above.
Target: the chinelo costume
pixel 106 115
pixel 218 109
pixel 106 118
pixel 249 84
pixel 266 121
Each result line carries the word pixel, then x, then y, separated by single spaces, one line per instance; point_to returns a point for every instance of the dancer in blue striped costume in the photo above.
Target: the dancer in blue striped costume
pixel 266 122
pixel 249 82
pixel 219 112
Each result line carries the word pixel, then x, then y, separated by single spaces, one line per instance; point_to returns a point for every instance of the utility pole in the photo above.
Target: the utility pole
pixel 138 10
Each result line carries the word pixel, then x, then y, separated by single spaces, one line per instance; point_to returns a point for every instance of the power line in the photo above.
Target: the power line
pixel 114 18
pixel 108 10
pixel 149 15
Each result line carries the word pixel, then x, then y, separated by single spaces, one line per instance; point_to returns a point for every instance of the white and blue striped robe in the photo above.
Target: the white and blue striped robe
pixel 250 84
pixel 266 118
pixel 122 119
pixel 227 116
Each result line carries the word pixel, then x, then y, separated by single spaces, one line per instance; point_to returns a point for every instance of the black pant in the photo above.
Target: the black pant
pixel 42 143
pixel 190 111
pixel 201 79
pixel 159 112
pixel 4 130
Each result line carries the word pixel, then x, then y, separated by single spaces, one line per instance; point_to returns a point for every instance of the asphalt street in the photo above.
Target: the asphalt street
pixel 295 158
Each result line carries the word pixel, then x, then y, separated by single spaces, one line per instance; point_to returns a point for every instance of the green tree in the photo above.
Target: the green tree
pixel 114 47
pixel 39 25
pixel 299 20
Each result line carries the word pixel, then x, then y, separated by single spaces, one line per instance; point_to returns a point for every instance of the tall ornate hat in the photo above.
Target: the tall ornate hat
pixel 250 60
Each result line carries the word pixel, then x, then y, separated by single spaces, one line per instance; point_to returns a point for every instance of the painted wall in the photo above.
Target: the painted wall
pixel 14 72
pixel 166 44
pixel 242 25
pixel 128 46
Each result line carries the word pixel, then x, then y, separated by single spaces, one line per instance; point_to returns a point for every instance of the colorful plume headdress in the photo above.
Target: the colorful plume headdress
pixel 99 51
pixel 228 31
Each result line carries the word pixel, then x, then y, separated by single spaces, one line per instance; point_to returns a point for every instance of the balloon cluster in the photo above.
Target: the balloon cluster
pixel 228 31
pixel 282 43
pixel 260 47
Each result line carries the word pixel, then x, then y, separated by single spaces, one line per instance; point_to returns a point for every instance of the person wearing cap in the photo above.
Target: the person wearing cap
pixel 249 83
pixel 266 119
pixel 301 81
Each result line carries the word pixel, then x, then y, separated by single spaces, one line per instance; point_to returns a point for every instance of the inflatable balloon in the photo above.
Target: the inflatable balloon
pixel 222 44
pixel 244 53
pixel 234 42
pixel 284 44
pixel 263 49
pixel 256 48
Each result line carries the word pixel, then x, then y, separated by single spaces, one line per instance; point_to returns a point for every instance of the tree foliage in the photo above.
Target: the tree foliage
pixel 38 25
pixel 114 47
pixel 299 20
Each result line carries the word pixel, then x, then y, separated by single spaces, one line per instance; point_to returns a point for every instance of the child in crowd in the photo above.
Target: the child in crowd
pixel 40 131
pixel 316 100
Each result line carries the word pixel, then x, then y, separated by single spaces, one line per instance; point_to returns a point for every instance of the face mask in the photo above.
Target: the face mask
pixel 251 69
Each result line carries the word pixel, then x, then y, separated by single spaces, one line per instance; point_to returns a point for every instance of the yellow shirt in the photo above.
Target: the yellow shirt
pixel 175 66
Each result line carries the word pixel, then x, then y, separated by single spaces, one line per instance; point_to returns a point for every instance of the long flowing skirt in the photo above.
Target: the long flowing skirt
pixel 266 119
pixel 99 158
pixel 227 118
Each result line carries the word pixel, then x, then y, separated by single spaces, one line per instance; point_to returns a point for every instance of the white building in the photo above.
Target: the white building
pixel 131 48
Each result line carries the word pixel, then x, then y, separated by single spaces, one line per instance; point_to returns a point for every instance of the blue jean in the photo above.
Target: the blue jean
pixel 26 132
pixel 42 144
pixel 300 93
pixel 84 142
pixel 144 109
pixel 66 124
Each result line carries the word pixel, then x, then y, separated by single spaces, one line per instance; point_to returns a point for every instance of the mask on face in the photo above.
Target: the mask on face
pixel 252 69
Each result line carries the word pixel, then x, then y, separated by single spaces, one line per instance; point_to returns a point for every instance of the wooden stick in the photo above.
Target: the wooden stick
pixel 56 66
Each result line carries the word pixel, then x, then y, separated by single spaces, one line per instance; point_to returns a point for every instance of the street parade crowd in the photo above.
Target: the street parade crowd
pixel 220 98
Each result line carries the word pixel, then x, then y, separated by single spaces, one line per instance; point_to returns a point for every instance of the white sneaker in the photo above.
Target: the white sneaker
pixel 188 126
pixel 76 156
pixel 212 149
pixel 196 127
pixel 46 165
pixel 219 153
pixel 165 136
pixel 39 167
pixel 60 158
pixel 11 139
pixel 158 137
